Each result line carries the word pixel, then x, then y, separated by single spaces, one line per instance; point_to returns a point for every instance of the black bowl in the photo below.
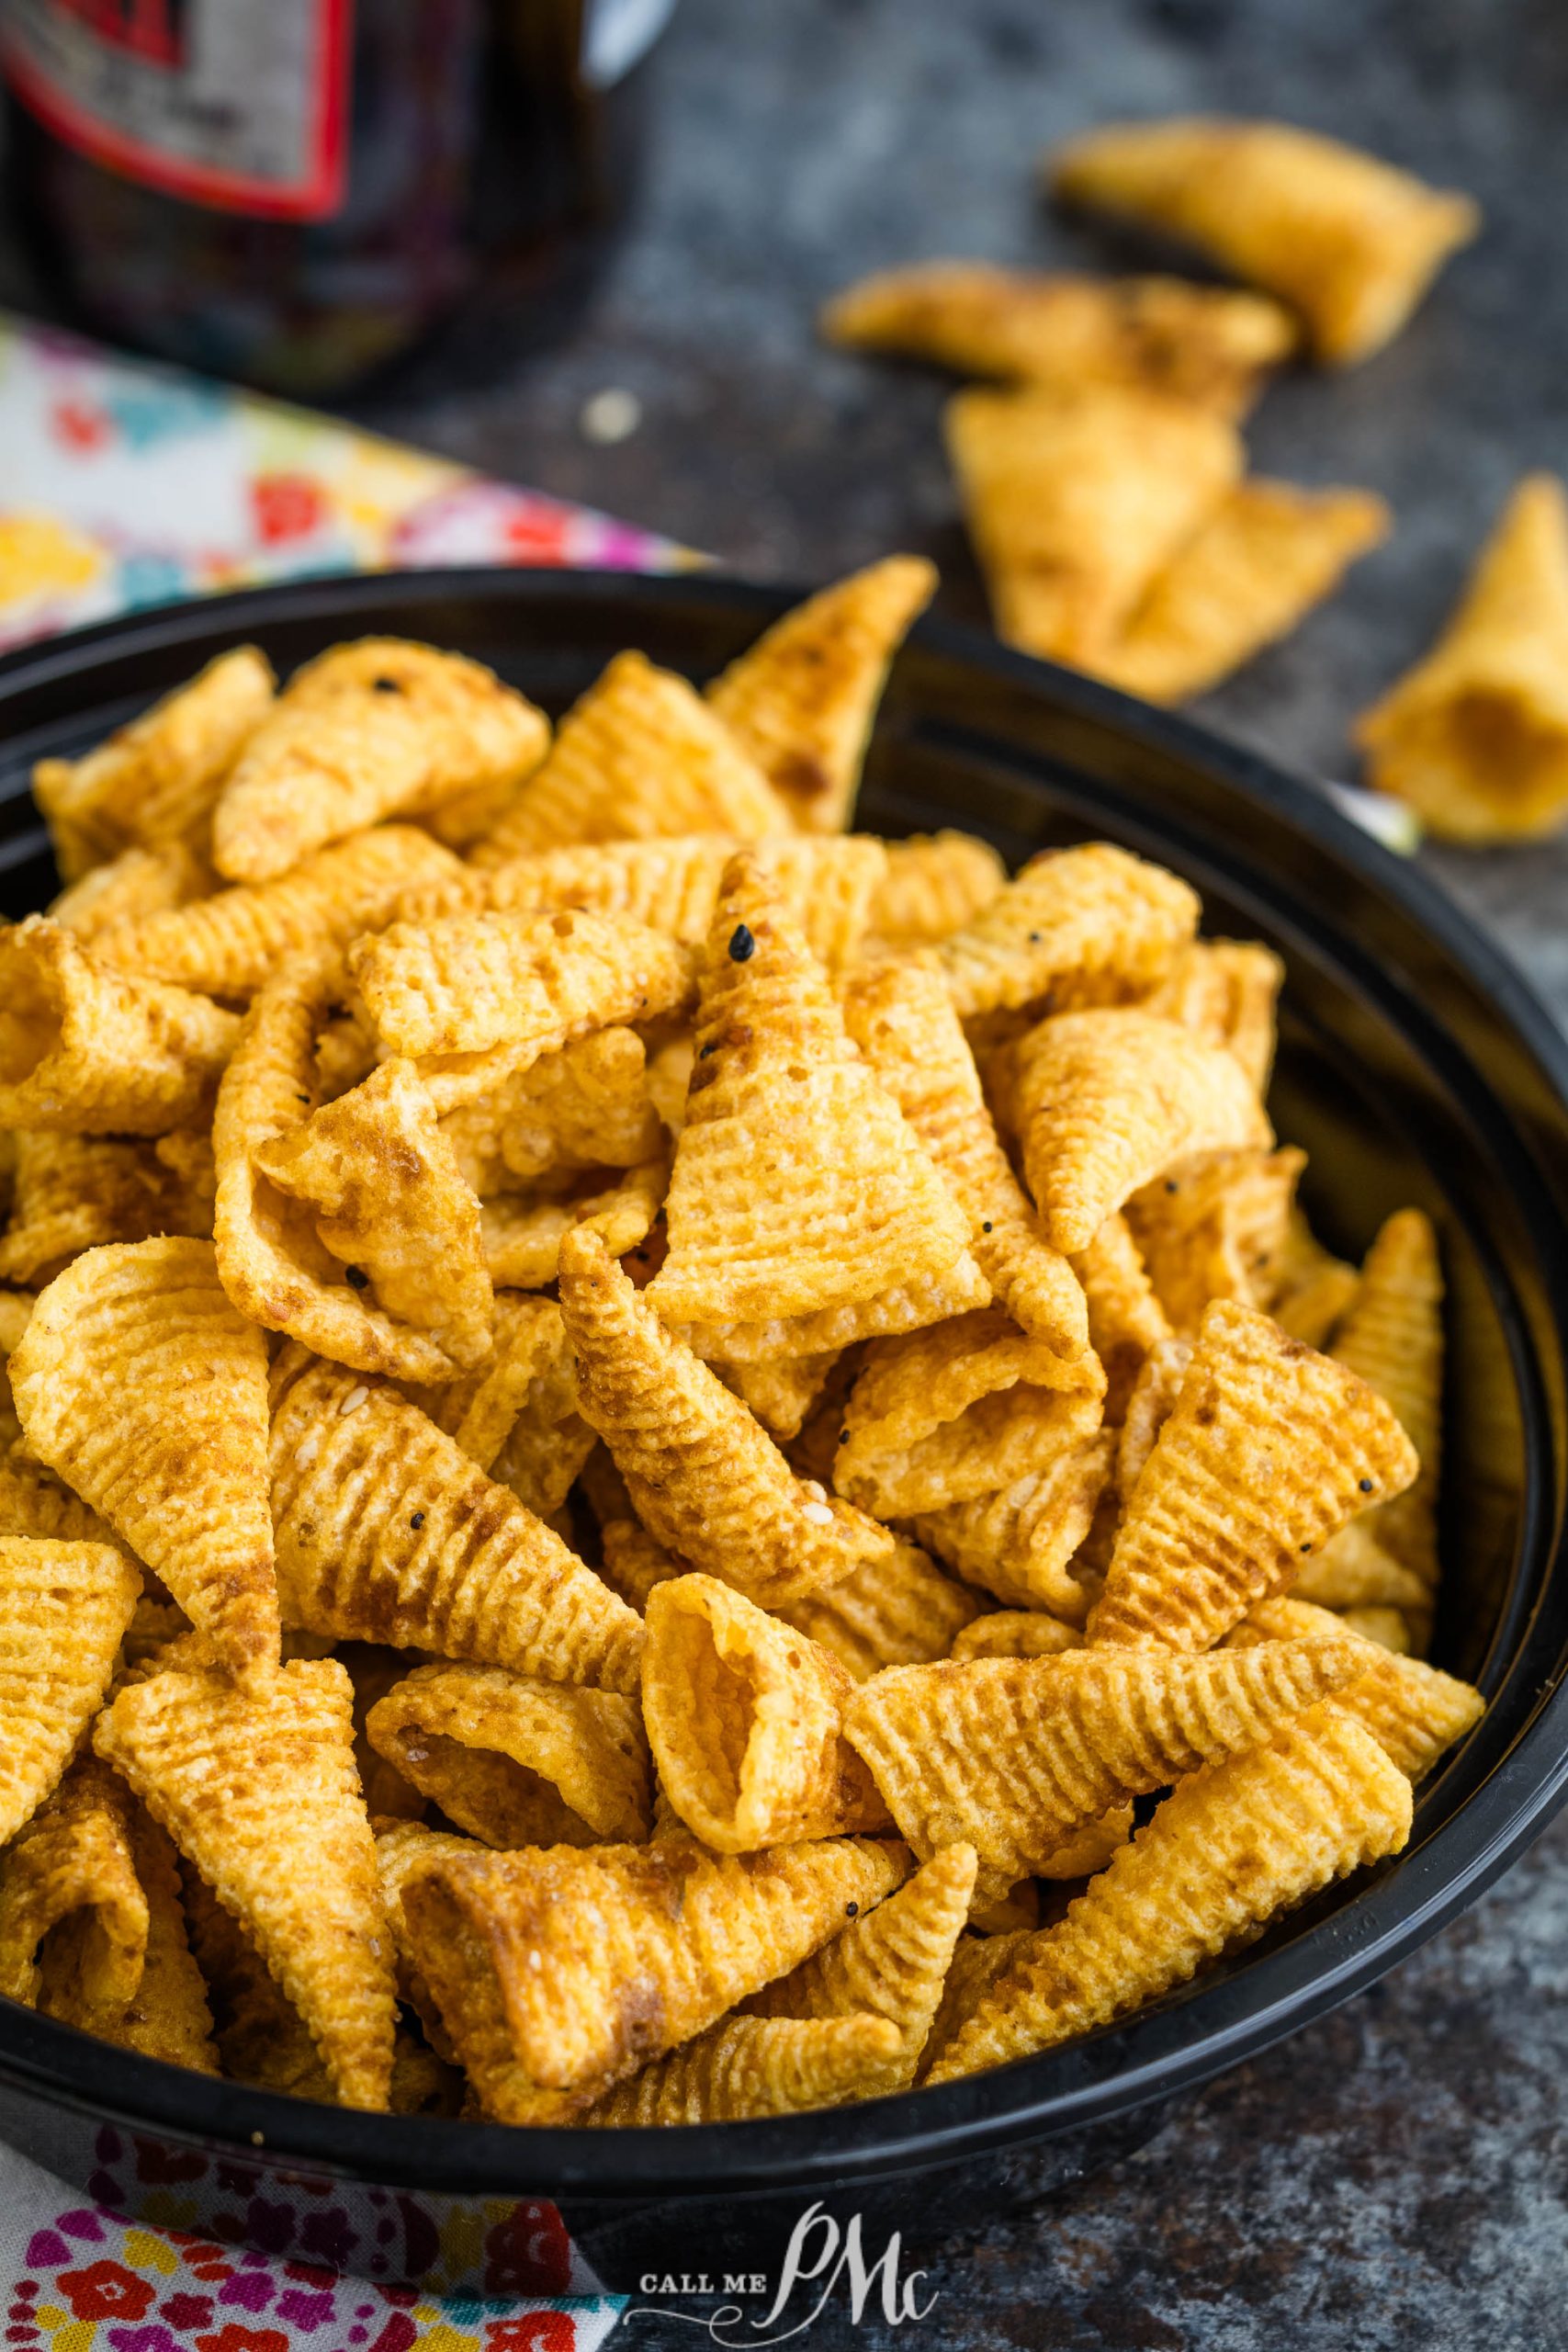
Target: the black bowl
pixel 1415 1066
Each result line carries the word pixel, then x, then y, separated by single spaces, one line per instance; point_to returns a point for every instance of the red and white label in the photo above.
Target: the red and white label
pixel 239 104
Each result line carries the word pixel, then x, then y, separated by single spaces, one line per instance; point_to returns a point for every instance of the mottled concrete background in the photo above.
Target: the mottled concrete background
pixel 1396 2177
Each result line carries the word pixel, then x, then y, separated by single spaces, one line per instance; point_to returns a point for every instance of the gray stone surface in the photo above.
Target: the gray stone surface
pixel 1395 2177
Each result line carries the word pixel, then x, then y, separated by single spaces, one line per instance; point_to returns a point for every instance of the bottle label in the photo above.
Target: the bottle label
pixel 238 107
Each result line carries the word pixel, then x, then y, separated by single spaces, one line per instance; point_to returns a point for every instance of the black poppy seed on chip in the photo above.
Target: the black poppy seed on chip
pixel 742 946
pixel 851 1909
pixel 386 685
pixel 1034 939
pixel 1366 1486
pixel 418 1520
pixel 711 1047
pixel 986 1225
pixel 357 1277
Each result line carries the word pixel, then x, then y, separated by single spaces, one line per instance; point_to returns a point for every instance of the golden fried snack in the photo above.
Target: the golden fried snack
pixel 902 1307
pixel 1228 1851
pixel 1354 1571
pixel 1022 1542
pixel 704 1476
pixel 749 2066
pixel 944 1415
pixel 1350 243
pixel 64 1608
pixel 168 2015
pixel 1015 1632
pixel 375 730
pixel 134 885
pixel 73 1919
pixel 1126 1320
pixel 142 1386
pixel 73 1192
pixel 85 1050
pixel 228 945
pixel 587 1105
pixel 633 1562
pixel 828 884
pixel 1225 990
pixel 563 1971
pixel 1388 1628
pixel 900 1611
pixel 516 1762
pixel 1205 344
pixel 744 1719
pixel 155 780
pixel 891 1964
pixel 476 997
pixel 1252 570
pixel 935 883
pixel 387 1532
pixel 1413 1712
pixel 270 1259
pixel 1013 1755
pixel 800 701
pixel 522 1235
pixel 1216 1226
pixel 1075 497
pixel 1107 1101
pixel 1091 925
pixel 386 1198
pixel 781 1393
pixel 978 1961
pixel 798 1186
pixel 1475 737
pixel 258 1789
pixel 640 757
pixel 1268 1452
pixel 1392 1336
pixel 515 1417
pixel 33 1501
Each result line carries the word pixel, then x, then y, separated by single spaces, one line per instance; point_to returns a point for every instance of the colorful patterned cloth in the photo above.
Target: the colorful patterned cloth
pixel 124 485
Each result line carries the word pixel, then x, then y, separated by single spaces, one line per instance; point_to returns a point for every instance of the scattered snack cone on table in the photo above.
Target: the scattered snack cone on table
pixel 690 1348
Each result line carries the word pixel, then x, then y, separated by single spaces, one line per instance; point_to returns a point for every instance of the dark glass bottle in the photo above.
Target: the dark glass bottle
pixel 296 192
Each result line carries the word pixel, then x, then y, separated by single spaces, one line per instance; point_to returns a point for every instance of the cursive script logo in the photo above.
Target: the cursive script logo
pixel 819 2251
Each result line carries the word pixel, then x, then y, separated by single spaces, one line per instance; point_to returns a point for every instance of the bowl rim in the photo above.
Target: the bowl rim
pixel 1151 2057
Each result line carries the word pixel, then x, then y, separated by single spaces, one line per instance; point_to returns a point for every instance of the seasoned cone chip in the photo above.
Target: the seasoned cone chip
pixel 1354 1571
pixel 829 884
pixel 1015 1632
pixel 144 1387
pixel 73 1919
pixel 386 1199
pixel 156 779
pixel 892 1964
pixel 1268 1452
pixel 269 1256
pixel 904 1022
pixel 1075 497
pixel 751 2066
pixel 633 1562
pixel 800 701
pixel 1475 737
pixel 902 1307
pixel 522 1235
pixel 798 1186
pixel 1149 1407
pixel 1414 1712
pixel 1109 1099
pixel 1205 344
pixel 516 1415
pixel 1126 1321
pixel 944 1415
pixel 1226 989
pixel 367 731
pixel 33 1501
pixel 1350 243
pixel 529 984
pixel 1227 1852
pixel 136 883
pixel 168 2015
pixel 640 757
pixel 73 1192
pixel 387 1532
pixel 259 1791
pixel 978 1961
pixel 1216 1227
pixel 564 1971
pixel 1013 1755
pixel 1392 1336
pixel 935 883
pixel 704 1477
pixel 781 1393
pixel 229 945
pixel 1021 1542
pixel 586 1105
pixel 85 1050
pixel 516 1761
pixel 744 1719
pixel 900 1611
pixel 1092 925
pixel 1256 568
